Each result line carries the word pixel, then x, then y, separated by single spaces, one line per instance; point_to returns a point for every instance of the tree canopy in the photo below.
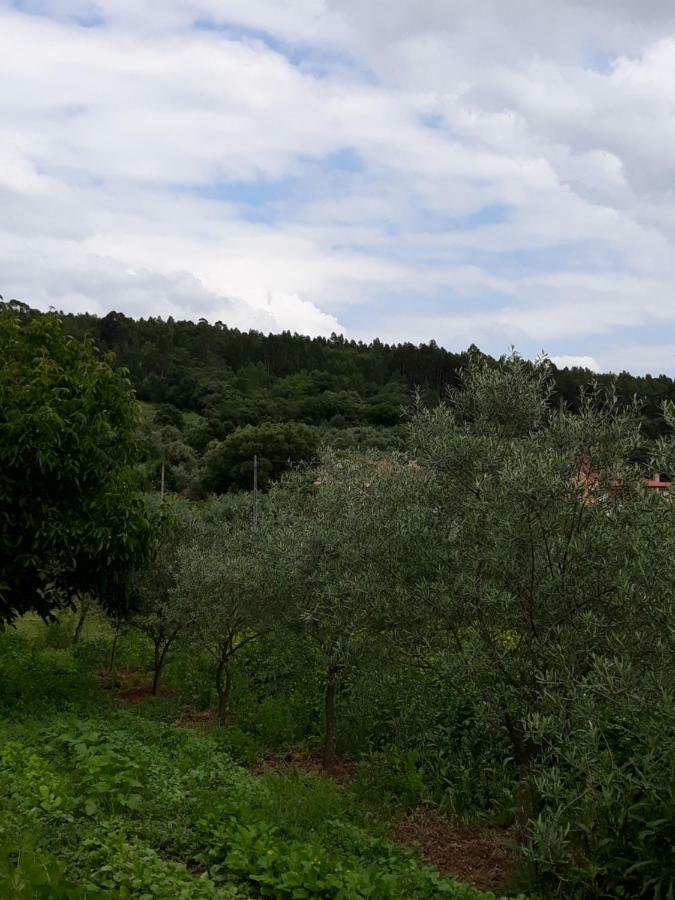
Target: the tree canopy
pixel 547 553
pixel 234 378
pixel 72 521
pixel 229 464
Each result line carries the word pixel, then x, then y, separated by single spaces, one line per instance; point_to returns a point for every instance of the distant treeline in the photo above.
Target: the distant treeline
pixel 234 378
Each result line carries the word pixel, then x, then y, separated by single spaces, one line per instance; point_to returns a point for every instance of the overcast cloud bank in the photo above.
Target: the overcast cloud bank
pixel 444 169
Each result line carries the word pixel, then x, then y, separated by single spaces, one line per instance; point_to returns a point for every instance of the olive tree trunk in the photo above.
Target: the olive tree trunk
pixel 223 687
pixel 160 659
pixel 523 753
pixel 330 728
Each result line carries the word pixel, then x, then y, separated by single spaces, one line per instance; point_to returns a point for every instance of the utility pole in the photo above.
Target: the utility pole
pixel 255 490
pixel 161 490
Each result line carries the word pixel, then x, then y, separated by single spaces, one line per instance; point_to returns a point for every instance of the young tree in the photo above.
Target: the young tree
pixel 162 612
pixel 338 555
pixel 220 569
pixel 83 607
pixel 547 549
pixel 73 522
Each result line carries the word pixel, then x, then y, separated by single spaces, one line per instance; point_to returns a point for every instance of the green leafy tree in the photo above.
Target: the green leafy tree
pixel 71 521
pixel 229 465
pixel 166 414
pixel 220 570
pixel 339 558
pixel 546 541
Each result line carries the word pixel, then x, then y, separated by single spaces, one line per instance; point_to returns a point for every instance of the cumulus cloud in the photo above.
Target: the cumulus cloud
pixel 490 173
pixel 576 362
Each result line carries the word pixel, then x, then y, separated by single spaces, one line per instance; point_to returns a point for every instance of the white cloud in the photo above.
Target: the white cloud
pixel 508 172
pixel 580 362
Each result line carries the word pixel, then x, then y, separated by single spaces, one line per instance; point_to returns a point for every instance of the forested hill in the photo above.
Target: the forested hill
pixel 234 378
pixel 199 366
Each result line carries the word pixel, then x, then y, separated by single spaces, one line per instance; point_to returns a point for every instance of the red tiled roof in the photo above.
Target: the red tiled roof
pixel 657 485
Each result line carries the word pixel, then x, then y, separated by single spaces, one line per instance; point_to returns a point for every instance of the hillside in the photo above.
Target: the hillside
pixel 236 378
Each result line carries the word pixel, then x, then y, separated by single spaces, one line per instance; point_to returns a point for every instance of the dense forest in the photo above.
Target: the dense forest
pixel 215 397
pixel 432 658
pixel 236 378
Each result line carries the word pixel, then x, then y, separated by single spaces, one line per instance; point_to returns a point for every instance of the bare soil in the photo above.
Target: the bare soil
pixel 135 694
pixel 307 762
pixel 479 856
pixel 202 718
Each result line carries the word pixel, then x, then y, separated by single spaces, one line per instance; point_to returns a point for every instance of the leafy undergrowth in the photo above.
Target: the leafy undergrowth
pixel 143 809
pixel 97 799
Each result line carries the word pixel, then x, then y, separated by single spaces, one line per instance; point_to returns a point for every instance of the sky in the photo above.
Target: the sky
pixel 467 171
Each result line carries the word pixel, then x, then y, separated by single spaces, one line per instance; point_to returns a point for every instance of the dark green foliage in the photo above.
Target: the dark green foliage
pixel 236 378
pixel 71 521
pixel 166 414
pixel 229 464
pixel 606 783
pixel 430 735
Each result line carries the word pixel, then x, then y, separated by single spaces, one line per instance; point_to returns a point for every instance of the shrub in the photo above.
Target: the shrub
pixel 394 775
pixel 605 782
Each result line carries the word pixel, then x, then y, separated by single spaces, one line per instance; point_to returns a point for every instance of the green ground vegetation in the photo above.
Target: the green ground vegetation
pixel 103 798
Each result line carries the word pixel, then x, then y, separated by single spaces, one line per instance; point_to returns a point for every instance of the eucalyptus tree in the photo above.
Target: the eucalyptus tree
pixel 221 571
pixel 549 540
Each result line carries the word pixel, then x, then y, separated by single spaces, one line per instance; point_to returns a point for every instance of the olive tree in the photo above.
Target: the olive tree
pixel 548 539
pixel 225 579
pixel 338 556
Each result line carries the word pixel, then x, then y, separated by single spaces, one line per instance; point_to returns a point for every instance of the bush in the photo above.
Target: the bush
pixel 605 784
pixel 27 875
pixel 240 745
pixel 435 715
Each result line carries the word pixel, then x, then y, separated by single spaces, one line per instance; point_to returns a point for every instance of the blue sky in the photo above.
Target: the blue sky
pixel 444 169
